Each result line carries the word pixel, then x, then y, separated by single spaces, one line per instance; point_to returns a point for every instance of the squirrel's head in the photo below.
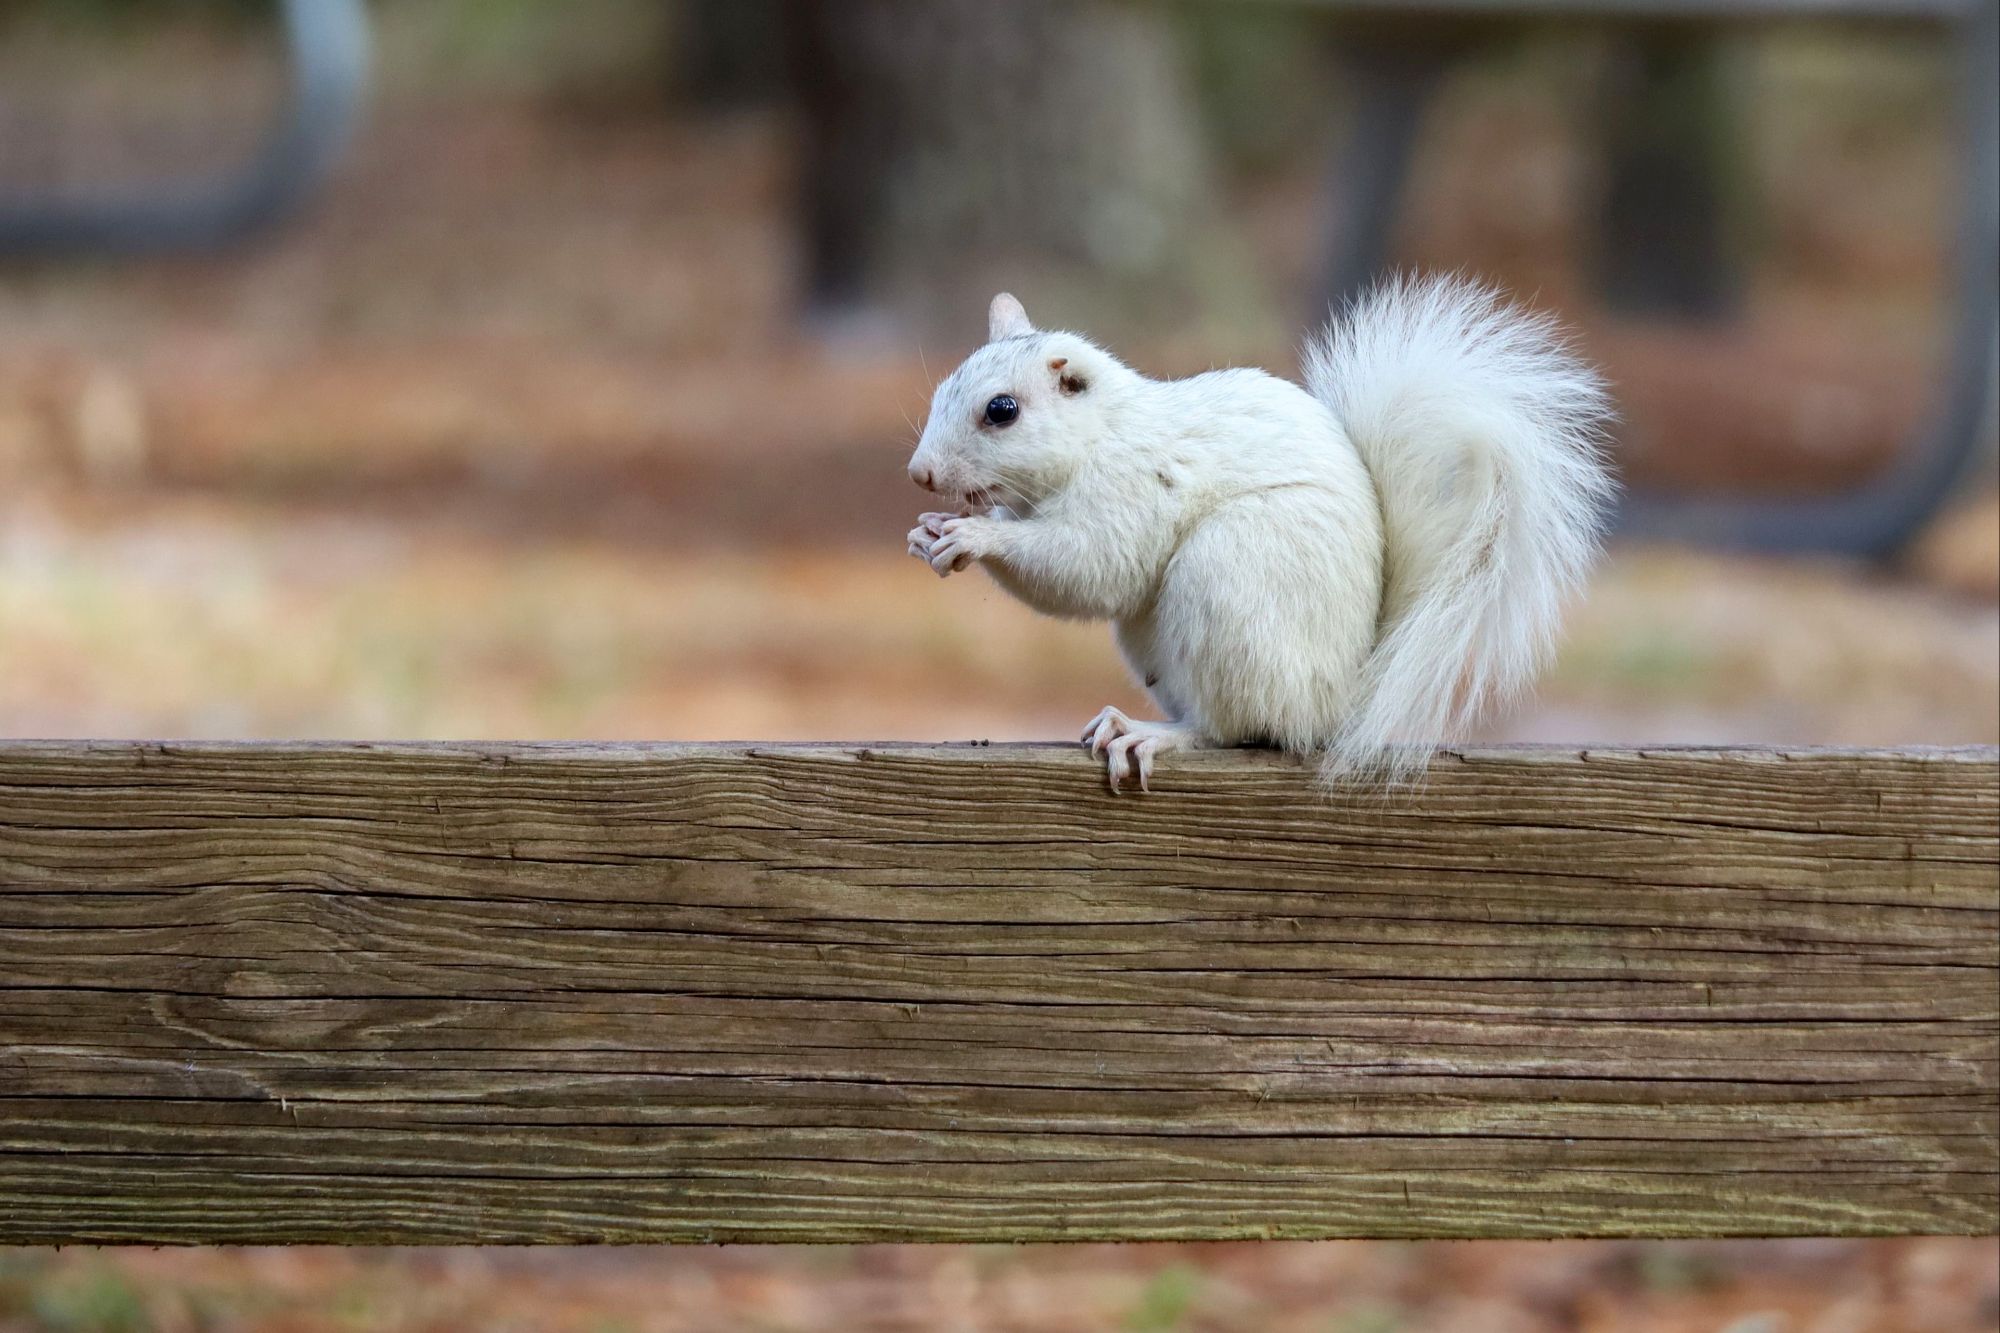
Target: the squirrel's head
pixel 1014 420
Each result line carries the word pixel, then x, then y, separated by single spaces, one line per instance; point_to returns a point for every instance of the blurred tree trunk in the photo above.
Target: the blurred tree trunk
pixel 953 146
pixel 726 53
pixel 1669 240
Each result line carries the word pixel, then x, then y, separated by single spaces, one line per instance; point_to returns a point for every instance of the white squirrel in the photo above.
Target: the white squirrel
pixel 1358 566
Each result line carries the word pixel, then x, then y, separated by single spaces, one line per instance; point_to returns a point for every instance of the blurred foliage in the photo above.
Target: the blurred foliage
pixel 1675 1268
pixel 1266 76
pixel 98 1299
pixel 1369 1319
pixel 586 51
pixel 1165 1301
pixel 580 52
pixel 134 14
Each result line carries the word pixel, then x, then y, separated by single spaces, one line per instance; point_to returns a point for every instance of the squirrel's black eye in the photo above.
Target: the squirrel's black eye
pixel 1002 410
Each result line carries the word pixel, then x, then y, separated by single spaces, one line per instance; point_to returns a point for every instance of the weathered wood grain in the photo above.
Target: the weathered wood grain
pixel 436 993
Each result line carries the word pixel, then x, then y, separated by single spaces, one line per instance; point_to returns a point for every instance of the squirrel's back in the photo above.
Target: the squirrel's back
pixel 1482 432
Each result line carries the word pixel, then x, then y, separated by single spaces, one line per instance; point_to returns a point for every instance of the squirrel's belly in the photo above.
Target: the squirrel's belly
pixel 1163 676
pixel 1266 617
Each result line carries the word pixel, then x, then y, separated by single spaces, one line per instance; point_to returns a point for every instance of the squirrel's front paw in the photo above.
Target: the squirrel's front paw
pixel 949 543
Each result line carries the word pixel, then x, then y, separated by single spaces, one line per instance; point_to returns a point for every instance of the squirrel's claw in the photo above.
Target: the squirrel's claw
pixel 1101 730
pixel 1129 760
pixel 1119 760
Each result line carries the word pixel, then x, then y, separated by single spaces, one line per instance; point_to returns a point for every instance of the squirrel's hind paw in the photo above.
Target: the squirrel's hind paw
pixel 1129 747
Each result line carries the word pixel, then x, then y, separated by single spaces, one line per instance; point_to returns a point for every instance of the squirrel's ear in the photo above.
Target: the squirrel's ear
pixel 1006 318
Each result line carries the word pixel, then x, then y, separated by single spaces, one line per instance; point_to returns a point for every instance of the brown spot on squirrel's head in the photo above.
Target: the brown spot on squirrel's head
pixel 1066 379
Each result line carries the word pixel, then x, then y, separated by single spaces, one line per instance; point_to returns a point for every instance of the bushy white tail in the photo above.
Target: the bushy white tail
pixel 1482 430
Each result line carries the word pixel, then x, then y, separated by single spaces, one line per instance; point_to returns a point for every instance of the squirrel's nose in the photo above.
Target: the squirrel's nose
pixel 923 477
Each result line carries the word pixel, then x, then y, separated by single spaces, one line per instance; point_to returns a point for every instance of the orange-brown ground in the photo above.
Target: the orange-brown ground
pixel 1920 1286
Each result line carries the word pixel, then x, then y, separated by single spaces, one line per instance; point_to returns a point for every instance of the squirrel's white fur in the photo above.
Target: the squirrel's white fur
pixel 1357 569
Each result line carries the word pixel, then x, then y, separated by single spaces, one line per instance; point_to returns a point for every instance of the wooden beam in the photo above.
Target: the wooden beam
pixel 535 993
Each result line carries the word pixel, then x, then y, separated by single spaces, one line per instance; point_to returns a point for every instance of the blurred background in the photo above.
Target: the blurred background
pixel 502 369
